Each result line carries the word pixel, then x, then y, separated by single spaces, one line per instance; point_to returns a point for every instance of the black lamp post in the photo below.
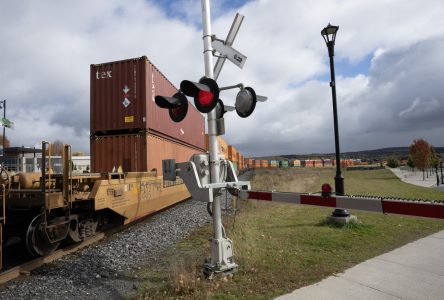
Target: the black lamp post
pixel 329 35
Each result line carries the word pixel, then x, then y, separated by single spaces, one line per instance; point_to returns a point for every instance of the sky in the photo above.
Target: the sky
pixel 388 61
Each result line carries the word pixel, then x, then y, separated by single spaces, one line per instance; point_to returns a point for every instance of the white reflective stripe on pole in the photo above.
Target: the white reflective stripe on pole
pixel 286 197
pixel 367 204
pixel 212 141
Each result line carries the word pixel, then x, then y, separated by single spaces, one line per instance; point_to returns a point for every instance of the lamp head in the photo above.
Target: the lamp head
pixel 329 33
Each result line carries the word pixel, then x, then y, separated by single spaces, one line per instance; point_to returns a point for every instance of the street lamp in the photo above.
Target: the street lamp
pixel 329 35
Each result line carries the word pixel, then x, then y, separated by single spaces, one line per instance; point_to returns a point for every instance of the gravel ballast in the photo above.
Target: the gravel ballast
pixel 103 271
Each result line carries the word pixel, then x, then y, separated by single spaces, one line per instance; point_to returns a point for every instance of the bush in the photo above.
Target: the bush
pixel 392 162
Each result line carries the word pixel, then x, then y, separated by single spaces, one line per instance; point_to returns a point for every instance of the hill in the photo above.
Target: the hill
pixel 368 155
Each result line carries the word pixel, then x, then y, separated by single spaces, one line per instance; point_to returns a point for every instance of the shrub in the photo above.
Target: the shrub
pixel 392 162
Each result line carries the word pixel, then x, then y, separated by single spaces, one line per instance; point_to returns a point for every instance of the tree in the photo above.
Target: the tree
pixel 434 158
pixel 420 153
pixel 392 162
pixel 410 162
pixel 7 142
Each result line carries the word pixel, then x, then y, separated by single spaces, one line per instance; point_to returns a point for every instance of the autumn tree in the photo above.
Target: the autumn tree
pixel 56 148
pixel 7 142
pixel 420 153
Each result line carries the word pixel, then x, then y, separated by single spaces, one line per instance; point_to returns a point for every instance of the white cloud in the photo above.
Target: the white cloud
pixel 48 46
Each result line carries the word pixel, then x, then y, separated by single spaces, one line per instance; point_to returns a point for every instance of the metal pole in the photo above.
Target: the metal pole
pixel 4 131
pixel 339 180
pixel 221 260
pixel 211 116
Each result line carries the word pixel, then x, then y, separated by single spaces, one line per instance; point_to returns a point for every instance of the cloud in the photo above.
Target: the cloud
pixel 48 46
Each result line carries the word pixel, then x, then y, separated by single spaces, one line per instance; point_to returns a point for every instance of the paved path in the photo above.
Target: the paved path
pixel 414 271
pixel 415 177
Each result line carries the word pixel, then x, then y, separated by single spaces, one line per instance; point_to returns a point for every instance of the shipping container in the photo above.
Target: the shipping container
pixel 283 163
pixel 136 153
pixel 318 163
pixel 346 162
pixel 296 163
pixel 309 163
pixel 250 163
pixel 232 153
pixel 264 163
pixel 122 102
pixel 257 163
pixel 274 164
pixel 327 162
pixel 223 147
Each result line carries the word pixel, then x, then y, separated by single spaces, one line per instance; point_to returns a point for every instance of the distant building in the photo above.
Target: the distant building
pixel 23 159
pixel 81 164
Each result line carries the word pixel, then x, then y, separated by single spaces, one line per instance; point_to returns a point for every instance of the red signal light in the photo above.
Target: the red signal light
pixel 326 190
pixel 177 105
pixel 205 98
pixel 205 93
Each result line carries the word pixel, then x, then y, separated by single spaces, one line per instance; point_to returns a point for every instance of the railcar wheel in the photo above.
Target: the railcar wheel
pixel 36 241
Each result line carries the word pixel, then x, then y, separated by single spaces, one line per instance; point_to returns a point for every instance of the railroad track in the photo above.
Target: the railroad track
pixel 27 267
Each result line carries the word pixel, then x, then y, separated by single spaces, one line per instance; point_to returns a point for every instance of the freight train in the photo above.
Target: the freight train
pixel 43 210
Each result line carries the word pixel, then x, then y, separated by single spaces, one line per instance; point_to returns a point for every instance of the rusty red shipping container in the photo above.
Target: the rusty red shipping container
pixel 122 102
pixel 136 152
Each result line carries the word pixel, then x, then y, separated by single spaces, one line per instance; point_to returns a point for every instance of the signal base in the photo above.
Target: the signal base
pixel 221 263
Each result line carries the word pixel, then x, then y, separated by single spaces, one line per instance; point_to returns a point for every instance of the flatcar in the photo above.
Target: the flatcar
pixel 43 210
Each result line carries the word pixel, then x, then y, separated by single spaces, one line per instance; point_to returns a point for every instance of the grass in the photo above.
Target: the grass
pixel 366 182
pixel 281 247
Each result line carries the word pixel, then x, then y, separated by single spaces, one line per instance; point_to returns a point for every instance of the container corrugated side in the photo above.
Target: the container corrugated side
pixel 112 83
pixel 190 130
pixel 223 147
pixel 232 153
pixel 122 102
pixel 136 153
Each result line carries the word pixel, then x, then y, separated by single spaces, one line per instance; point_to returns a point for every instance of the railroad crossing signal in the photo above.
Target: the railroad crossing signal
pixel 205 93
pixel 221 109
pixel 228 42
pixel 245 102
pixel 176 105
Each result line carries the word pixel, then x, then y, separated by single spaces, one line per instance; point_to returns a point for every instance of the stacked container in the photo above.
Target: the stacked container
pixel 250 163
pixel 318 163
pixel 274 164
pixel 327 162
pixel 296 163
pixel 232 154
pixel 264 163
pixel 257 163
pixel 283 163
pixel 128 129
